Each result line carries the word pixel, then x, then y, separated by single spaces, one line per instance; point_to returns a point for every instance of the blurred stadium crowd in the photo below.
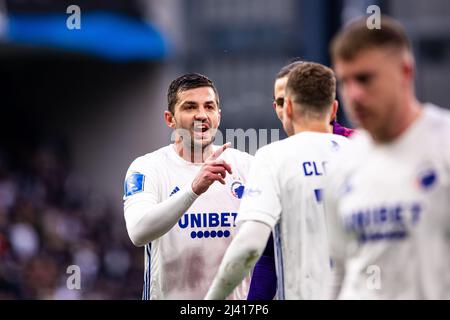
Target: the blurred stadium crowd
pixel 49 220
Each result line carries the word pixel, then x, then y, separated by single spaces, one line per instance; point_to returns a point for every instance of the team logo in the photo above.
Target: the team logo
pixel 237 189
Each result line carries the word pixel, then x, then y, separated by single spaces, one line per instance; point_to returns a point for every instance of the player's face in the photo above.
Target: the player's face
pixel 197 112
pixel 371 85
pixel 280 86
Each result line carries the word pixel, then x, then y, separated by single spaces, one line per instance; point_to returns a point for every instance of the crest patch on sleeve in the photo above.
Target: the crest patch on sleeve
pixel 134 184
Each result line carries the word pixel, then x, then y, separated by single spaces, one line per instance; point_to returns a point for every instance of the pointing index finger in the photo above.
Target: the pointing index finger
pixel 219 151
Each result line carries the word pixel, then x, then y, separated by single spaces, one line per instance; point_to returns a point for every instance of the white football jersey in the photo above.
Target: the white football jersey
pixel 183 262
pixel 284 190
pixel 389 221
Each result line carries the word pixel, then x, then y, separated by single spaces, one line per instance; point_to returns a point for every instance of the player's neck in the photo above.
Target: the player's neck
pixel 321 126
pixel 194 154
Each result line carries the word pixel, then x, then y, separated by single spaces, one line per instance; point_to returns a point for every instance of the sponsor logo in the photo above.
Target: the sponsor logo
pixel 385 222
pixel 198 222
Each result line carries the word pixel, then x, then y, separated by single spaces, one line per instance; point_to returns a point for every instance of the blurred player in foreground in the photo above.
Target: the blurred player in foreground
pixel 284 193
pixel 263 284
pixel 172 205
pixel 389 222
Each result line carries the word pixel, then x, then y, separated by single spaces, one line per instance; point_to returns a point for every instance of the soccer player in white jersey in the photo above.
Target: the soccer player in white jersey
pixel 263 285
pixel 389 222
pixel 284 194
pixel 172 205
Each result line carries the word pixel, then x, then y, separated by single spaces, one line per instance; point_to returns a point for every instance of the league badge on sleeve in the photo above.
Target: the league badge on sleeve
pixel 134 184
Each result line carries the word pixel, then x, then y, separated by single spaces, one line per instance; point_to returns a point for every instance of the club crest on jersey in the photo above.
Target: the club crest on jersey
pixel 134 184
pixel 427 179
pixel 237 189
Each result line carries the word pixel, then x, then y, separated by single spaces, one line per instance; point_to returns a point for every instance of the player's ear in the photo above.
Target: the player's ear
pixel 334 110
pixel 288 106
pixel 408 68
pixel 170 119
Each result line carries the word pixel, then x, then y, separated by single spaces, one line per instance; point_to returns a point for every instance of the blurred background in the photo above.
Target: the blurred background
pixel 79 105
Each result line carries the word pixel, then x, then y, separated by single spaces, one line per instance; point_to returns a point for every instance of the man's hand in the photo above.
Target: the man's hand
pixel 212 170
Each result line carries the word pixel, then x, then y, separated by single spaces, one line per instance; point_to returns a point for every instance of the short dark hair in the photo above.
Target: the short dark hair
pixel 357 36
pixel 187 82
pixel 288 68
pixel 313 87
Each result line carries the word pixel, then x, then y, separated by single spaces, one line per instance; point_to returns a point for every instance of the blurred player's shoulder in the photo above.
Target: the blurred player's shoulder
pixel 350 154
pixel 439 118
pixel 437 130
pixel 359 142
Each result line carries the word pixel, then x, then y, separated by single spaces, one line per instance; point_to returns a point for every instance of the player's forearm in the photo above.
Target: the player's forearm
pixel 337 277
pixel 236 264
pixel 239 258
pixel 147 222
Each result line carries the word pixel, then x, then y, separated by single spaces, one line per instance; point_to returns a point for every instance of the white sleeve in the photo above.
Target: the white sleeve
pixel 261 200
pixel 145 218
pixel 336 233
pixel 446 149
pixel 239 259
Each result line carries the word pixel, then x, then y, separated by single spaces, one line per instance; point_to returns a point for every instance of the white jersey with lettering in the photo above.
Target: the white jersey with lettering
pixel 389 222
pixel 284 191
pixel 182 263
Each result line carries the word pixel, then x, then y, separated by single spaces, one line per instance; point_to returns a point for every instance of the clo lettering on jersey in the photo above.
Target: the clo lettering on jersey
pixel 383 222
pixel 134 184
pixel 208 220
pixel 312 168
